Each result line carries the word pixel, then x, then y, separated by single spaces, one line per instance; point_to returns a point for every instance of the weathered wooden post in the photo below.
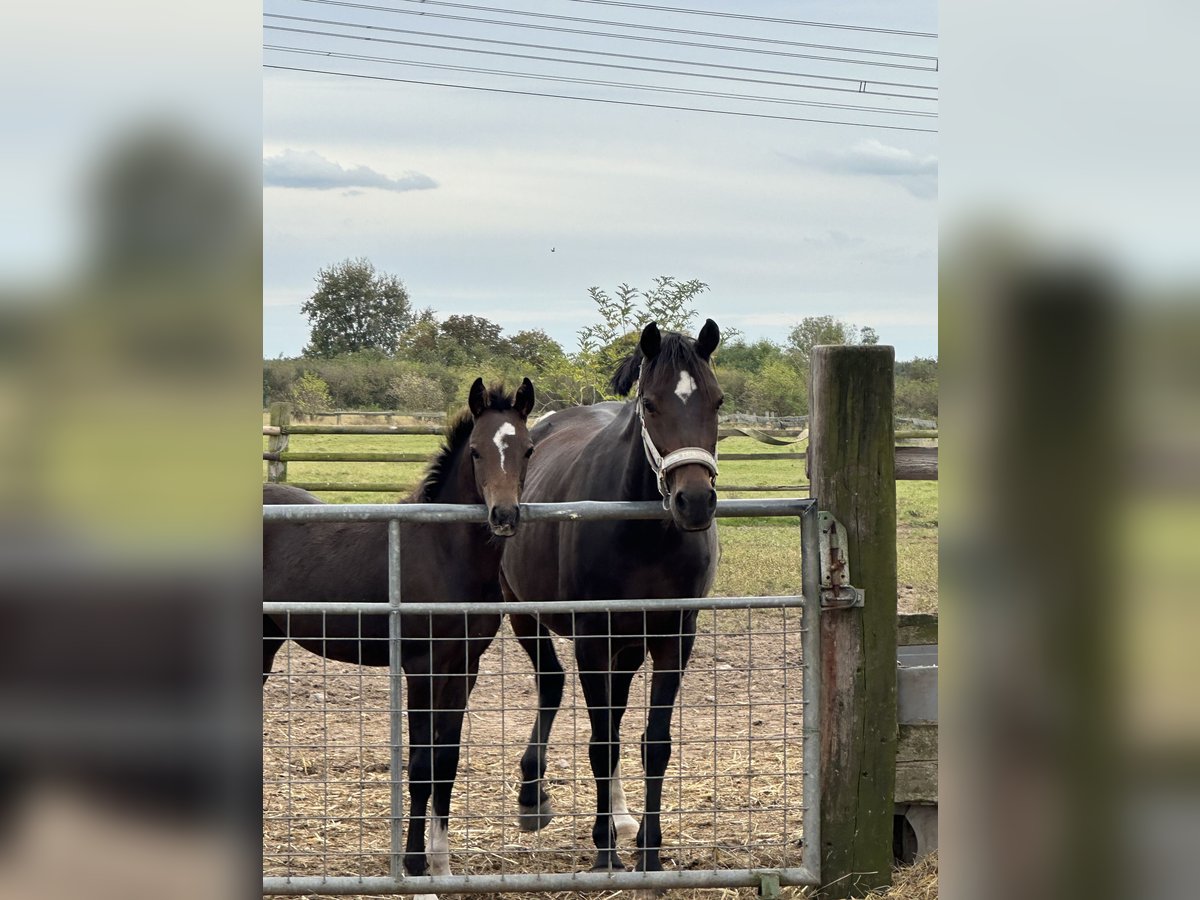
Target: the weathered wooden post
pixel 281 418
pixel 852 472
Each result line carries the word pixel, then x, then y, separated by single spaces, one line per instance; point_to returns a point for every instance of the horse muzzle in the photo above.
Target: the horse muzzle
pixel 693 508
pixel 503 520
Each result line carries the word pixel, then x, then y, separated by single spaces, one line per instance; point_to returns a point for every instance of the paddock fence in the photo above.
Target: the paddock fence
pixel 741 798
pixel 916 459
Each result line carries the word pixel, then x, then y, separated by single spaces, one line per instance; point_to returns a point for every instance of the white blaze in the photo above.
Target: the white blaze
pixel 506 430
pixel 686 385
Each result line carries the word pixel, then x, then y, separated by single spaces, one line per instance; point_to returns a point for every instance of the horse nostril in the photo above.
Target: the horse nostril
pixel 712 501
pixel 681 501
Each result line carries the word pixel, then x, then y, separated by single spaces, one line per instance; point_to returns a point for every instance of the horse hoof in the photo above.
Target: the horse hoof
pixel 535 818
pixel 613 866
pixel 626 827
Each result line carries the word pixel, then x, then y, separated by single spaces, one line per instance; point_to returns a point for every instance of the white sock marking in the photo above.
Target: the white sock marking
pixel 686 385
pixel 625 824
pixel 439 847
pixel 506 430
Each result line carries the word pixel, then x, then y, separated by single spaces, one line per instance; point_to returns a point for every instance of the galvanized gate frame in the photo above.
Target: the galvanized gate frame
pixel 809 602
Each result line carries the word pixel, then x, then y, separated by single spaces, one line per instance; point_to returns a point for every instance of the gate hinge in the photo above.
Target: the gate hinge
pixel 836 590
pixel 768 885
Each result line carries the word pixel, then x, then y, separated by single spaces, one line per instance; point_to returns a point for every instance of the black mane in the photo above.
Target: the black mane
pixel 457 433
pixel 676 351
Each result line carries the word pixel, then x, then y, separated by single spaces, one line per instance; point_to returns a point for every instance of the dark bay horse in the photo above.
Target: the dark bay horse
pixel 483 461
pixel 660 447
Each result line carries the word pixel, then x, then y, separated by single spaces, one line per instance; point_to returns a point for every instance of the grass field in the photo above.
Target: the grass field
pixel 759 556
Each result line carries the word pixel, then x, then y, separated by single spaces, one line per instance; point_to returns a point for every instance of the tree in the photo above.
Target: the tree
pixel 533 347
pixel 779 389
pixel 468 339
pixel 814 330
pixel 356 308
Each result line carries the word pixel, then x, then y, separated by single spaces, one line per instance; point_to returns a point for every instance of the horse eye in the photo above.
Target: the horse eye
pixel 720 401
pixel 649 407
pixel 529 453
pixel 474 453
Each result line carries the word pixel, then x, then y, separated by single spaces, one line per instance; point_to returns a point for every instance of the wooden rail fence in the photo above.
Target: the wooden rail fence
pixel 912 462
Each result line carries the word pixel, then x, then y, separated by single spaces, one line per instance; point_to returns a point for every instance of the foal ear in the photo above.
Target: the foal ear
pixel 710 336
pixel 650 341
pixel 523 402
pixel 477 399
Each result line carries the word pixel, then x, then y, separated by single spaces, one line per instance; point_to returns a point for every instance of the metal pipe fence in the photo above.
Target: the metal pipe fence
pixel 740 797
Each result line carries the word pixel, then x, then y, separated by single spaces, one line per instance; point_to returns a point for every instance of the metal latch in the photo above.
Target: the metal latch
pixel 836 590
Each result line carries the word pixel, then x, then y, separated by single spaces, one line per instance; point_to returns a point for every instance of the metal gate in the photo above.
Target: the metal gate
pixel 762 644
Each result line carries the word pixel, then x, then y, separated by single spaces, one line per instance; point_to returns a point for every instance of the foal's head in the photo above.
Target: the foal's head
pixel 500 449
pixel 678 399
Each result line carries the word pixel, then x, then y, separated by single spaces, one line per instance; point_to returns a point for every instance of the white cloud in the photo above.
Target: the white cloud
pixel 309 170
pixel 873 158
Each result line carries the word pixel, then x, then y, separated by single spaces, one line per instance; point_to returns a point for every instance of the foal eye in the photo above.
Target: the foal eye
pixel 720 401
pixel 529 453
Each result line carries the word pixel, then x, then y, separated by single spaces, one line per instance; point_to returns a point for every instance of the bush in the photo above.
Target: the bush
pixel 310 394
pixel 413 391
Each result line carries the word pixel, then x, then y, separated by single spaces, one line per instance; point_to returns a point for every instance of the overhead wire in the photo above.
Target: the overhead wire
pixel 862 90
pixel 632 37
pixel 565 79
pixel 608 53
pixel 754 18
pixel 604 100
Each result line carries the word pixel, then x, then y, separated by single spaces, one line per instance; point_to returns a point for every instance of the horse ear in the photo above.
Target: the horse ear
pixel 710 336
pixel 650 341
pixel 477 399
pixel 523 403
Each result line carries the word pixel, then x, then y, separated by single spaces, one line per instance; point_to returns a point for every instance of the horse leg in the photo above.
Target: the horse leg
pixel 273 638
pixel 447 739
pixel 604 748
pixel 626 664
pixel 534 804
pixel 420 768
pixel 670 659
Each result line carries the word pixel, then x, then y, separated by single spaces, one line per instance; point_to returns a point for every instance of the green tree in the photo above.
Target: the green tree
pixel 533 347
pixel 814 330
pixel 468 339
pixel 356 308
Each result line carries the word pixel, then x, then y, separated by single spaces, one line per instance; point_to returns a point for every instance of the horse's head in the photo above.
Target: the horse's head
pixel 500 449
pixel 678 399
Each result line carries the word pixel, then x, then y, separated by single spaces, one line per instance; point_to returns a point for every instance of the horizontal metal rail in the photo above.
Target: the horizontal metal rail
pixel 564 881
pixel 591 510
pixel 535 607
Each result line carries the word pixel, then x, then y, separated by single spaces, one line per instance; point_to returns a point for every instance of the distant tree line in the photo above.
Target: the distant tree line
pixel 369 349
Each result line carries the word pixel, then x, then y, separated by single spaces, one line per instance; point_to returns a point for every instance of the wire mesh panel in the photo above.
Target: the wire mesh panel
pixel 734 792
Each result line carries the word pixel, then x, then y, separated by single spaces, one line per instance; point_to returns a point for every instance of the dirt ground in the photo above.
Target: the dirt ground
pixel 731 797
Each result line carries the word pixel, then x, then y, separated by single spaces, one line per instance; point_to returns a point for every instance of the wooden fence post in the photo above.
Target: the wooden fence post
pixel 281 418
pixel 852 474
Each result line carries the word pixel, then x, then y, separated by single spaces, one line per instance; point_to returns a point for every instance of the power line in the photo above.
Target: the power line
pixel 566 79
pixel 641 58
pixel 745 16
pixel 578 62
pixel 626 37
pixel 608 100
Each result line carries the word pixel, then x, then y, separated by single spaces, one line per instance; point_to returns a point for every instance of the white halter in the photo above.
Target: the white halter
pixel 662 465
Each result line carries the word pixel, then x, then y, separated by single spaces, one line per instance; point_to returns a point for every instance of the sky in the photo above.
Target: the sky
pixel 511 207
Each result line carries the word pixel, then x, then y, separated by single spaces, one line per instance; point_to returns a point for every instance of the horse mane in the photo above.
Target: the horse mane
pixel 454 438
pixel 676 351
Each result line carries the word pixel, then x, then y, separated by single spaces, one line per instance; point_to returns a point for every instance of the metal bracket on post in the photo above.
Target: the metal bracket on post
pixel 836 590
pixel 768 886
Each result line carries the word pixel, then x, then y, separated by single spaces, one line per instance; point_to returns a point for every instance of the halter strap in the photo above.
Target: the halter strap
pixel 662 465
